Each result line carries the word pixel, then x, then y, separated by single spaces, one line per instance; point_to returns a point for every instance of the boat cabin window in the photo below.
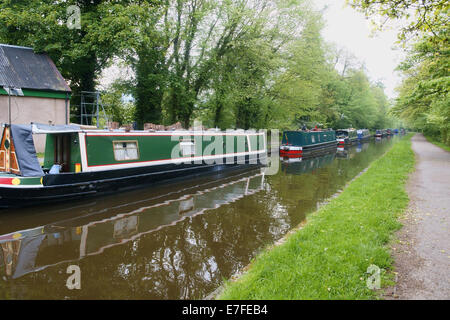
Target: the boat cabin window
pixel 126 150
pixel 187 147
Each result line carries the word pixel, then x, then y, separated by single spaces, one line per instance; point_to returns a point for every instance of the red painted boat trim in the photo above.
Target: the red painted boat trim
pixel 293 152
pixel 6 180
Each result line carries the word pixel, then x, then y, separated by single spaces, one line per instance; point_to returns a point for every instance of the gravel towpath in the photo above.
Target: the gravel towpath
pixel 422 254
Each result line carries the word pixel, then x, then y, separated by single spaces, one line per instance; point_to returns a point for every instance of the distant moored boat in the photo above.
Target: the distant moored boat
pixel 378 133
pixel 363 134
pixel 346 136
pixel 296 143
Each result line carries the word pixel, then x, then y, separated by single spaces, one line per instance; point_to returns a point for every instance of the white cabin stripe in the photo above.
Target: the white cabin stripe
pixel 22 186
pixel 168 134
pixel 82 142
pixel 169 161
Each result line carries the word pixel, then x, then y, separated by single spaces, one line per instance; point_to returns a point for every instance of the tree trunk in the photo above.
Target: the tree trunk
pixel 151 79
pixel 86 82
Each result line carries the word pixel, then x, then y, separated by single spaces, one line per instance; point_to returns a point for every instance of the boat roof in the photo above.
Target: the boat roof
pixel 350 129
pixel 39 128
pixel 318 130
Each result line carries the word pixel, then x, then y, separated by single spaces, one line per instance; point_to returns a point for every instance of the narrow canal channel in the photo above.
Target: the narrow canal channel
pixel 174 241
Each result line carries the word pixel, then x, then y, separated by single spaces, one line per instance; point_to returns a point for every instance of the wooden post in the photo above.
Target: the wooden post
pixel 8 150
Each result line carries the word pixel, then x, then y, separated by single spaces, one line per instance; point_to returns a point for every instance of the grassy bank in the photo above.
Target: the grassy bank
pixel 328 258
pixel 437 143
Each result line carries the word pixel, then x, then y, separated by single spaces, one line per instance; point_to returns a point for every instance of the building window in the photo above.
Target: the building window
pixel 126 150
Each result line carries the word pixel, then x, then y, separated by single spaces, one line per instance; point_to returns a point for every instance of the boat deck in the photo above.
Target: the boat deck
pixel 8 175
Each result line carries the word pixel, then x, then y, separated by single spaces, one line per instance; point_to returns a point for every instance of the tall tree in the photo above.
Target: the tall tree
pixel 424 94
pixel 423 99
pixel 421 16
pixel 80 53
pixel 204 35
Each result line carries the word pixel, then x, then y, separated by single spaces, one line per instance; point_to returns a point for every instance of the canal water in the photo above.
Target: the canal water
pixel 173 241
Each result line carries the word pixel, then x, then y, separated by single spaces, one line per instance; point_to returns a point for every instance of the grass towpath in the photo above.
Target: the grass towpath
pixel 329 257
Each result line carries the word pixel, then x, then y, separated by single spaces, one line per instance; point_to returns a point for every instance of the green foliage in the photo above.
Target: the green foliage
pixel 437 143
pixel 423 100
pixel 151 79
pixel 79 54
pixel 359 103
pixel 230 63
pixel 423 96
pixel 116 107
pixel 260 84
pixel 298 90
pixel 421 16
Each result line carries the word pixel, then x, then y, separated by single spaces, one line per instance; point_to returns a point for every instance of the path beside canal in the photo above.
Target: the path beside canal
pixel 422 252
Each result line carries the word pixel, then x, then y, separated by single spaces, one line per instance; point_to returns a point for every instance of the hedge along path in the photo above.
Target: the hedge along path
pixel 329 257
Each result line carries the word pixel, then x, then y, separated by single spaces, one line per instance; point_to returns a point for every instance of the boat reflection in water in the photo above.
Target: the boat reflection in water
pixel 361 147
pixel 382 139
pixel 303 165
pixel 343 152
pixel 350 152
pixel 35 249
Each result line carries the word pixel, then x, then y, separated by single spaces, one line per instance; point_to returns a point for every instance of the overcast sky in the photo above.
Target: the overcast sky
pixel 349 28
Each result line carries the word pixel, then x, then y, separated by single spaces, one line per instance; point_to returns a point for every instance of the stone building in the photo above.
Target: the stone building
pixel 31 90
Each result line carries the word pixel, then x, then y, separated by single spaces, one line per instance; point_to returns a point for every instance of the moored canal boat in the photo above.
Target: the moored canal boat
pixel 378 133
pixel 346 136
pixel 363 134
pixel 296 143
pixel 79 163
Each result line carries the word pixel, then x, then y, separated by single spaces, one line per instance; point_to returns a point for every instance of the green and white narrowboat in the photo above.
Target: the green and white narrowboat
pixel 79 162
pixel 297 143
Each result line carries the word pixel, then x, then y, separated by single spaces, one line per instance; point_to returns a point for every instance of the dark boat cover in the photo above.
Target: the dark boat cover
pixel 26 262
pixel 25 151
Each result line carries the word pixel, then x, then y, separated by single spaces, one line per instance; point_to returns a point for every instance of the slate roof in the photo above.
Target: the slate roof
pixel 21 68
